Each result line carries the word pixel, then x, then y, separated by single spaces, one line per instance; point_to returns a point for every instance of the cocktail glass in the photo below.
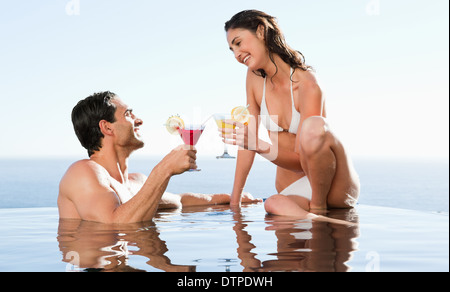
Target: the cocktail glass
pixel 220 121
pixel 190 135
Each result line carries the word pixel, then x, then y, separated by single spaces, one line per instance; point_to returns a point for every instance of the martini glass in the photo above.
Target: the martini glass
pixel 190 135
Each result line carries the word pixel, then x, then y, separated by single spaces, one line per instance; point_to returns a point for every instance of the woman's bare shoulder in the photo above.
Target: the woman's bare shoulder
pixel 309 83
pixel 307 78
pixel 255 85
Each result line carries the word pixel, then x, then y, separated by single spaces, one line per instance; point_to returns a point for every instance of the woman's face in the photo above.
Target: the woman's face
pixel 248 48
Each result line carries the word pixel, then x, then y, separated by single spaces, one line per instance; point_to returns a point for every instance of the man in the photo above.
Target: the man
pixel 101 189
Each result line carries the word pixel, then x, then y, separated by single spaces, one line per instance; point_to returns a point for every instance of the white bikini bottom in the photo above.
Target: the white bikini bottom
pixel 301 188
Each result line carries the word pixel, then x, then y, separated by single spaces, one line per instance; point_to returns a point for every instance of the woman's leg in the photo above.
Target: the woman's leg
pixel 333 180
pixel 174 201
pixel 191 199
pixel 285 206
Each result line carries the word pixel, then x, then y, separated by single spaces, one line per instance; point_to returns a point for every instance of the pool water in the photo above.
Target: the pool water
pixel 218 239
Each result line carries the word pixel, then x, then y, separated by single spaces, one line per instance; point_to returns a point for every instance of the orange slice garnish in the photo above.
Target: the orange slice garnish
pixel 241 114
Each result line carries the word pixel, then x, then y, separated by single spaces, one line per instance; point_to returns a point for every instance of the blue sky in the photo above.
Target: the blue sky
pixel 382 64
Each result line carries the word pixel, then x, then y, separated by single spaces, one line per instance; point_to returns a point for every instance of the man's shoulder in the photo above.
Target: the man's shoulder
pixel 81 171
pixel 84 167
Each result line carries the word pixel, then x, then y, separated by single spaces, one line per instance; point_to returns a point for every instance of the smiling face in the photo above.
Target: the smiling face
pixel 249 48
pixel 126 126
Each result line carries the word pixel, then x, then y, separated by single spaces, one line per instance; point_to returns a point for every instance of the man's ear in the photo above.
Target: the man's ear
pixel 106 128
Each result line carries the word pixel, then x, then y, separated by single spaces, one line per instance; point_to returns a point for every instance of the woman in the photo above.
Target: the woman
pixel 314 171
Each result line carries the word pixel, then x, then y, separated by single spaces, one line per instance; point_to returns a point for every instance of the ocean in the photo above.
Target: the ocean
pixel 402 219
pixel 414 185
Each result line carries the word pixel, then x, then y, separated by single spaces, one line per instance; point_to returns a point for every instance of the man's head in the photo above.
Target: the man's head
pixel 105 115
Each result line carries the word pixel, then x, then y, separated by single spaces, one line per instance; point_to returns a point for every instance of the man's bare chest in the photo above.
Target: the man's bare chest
pixel 125 191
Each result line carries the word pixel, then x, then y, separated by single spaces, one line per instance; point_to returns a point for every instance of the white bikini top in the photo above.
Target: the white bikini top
pixel 270 124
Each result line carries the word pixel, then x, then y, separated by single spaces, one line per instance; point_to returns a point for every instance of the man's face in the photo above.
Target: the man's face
pixel 126 127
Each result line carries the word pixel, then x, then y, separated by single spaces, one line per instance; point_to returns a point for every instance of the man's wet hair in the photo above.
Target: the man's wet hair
pixel 86 116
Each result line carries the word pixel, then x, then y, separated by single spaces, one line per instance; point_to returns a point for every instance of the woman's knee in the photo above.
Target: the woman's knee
pixel 313 135
pixel 284 206
pixel 275 204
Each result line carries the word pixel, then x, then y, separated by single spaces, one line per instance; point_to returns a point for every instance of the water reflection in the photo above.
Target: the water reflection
pixel 300 245
pixel 90 246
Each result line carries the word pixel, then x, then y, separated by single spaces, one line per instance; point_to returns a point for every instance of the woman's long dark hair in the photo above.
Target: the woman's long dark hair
pixel 274 38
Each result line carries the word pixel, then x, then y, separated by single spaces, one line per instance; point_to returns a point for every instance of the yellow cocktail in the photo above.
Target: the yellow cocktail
pixel 238 114
pixel 220 121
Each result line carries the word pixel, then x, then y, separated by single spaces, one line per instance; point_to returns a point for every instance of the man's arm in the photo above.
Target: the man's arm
pixel 143 206
pixel 87 185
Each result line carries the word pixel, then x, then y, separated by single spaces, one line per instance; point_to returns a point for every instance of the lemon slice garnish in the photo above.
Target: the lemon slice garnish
pixel 173 124
pixel 241 114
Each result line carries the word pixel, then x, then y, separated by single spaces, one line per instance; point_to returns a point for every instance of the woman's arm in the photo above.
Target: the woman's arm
pixel 280 157
pixel 247 139
pixel 311 104
pixel 245 158
pixel 244 163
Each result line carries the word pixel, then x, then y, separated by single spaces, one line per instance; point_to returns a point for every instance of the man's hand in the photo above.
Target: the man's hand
pixel 181 159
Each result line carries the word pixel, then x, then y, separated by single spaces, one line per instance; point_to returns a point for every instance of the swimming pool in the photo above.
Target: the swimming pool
pixel 217 239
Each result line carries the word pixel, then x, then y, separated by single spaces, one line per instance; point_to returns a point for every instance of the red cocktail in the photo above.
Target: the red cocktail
pixel 190 135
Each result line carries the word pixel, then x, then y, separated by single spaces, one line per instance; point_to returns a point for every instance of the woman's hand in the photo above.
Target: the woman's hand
pixel 245 198
pixel 239 134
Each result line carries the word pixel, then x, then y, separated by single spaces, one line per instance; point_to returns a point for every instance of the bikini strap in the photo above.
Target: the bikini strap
pixel 264 90
pixel 292 89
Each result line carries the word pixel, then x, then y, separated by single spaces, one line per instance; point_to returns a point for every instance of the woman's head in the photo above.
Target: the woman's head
pixel 259 22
